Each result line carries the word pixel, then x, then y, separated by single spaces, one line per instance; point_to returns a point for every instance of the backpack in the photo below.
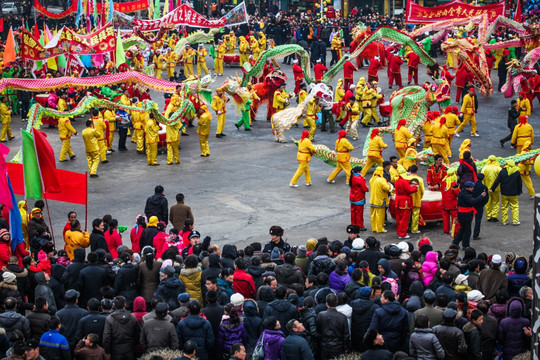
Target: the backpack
pixel 258 352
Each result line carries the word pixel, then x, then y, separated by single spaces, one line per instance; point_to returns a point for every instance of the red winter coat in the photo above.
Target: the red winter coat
pixel 319 70
pixel 243 284
pixel 395 64
pixel 490 59
pixel 348 70
pixel 449 197
pixel 298 73
pixel 5 253
pixel 113 240
pixel 159 240
pixel 403 194
pixel 374 67
pixel 414 60
pixel 358 188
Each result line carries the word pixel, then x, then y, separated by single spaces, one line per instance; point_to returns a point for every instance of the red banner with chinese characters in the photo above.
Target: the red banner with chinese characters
pixel 68 41
pixel 125 7
pixel 456 9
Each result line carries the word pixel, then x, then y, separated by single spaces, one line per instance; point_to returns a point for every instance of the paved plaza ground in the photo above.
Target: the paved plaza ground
pixel 242 189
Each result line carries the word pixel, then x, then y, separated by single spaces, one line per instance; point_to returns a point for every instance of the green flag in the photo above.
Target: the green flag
pixel 120 54
pixel 32 179
pixel 157 10
pixel 62 62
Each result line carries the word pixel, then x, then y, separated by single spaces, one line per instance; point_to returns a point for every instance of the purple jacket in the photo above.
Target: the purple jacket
pixel 498 311
pixel 272 344
pixel 338 282
pixel 511 334
pixel 230 334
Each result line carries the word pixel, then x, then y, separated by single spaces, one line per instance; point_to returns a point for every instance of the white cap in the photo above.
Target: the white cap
pixel 376 58
pixel 475 295
pixel 403 246
pixel 352 86
pixel 237 299
pixel 461 279
pixel 319 60
pixel 295 61
pixel 358 244
pixel 496 259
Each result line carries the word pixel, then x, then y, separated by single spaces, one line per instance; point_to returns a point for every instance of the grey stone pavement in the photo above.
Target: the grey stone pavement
pixel 242 189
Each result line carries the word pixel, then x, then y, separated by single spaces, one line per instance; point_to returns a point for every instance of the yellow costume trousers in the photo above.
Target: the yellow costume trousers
pixel 509 203
pixel 449 147
pixel 93 162
pixel 202 65
pixel 346 166
pixel 203 142
pixel 218 66
pixel 103 149
pixel 526 179
pixel 138 138
pixel 367 116
pixel 415 218
pixel 151 153
pixel 6 130
pixel 172 152
pixel 370 162
pixel 158 73
pixel 401 154
pixel 493 204
pixel 111 139
pixel 220 123
pixel 440 149
pixel 303 168
pixel 374 115
pixel 66 150
pixel 377 218
pixel 312 123
pixel 518 149
pixel 189 69
pixel 466 119
pixel 243 59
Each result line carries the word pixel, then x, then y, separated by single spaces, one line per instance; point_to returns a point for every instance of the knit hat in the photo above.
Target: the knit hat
pixel 449 314
pixel 8 277
pixel 212 295
pixel 469 184
pixel 365 292
pixel 4 232
pixel 183 297
pixel 168 270
pixel 346 250
pixel 302 251
pixel 153 221
pixel 42 256
pixel 358 244
pixel 237 299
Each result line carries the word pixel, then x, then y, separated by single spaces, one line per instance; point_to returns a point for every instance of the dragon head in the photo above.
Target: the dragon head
pixel 276 78
pixel 323 94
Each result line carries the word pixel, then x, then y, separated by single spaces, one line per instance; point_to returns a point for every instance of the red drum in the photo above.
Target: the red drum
pixel 385 109
pixel 431 206
pixel 162 144
pixel 42 100
pixel 231 59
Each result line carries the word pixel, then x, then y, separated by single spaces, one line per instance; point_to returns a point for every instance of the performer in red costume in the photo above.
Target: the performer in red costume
pixel 450 192
pixel 348 73
pixel 373 71
pixel 357 197
pixel 395 71
pixel 404 203
pixel 413 60
pixel 298 76
pixel 319 69
pixel 463 76
pixel 436 173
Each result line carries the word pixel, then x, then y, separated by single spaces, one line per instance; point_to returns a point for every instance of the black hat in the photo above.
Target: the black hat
pixel 161 309
pixel 72 294
pixel 353 229
pixel 276 230
pixel 392 250
pixel 212 296
pixel 31 344
pixel 194 234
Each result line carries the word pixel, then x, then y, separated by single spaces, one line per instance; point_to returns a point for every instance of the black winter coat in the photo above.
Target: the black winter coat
pixel 288 274
pixel 147 237
pixel 97 241
pixel 372 256
pixel 23 282
pixel 157 205
pixel 322 263
pixel 71 275
pixel 295 347
pixel 391 321
pixel 70 316
pixel 91 279
pixel 39 323
pixel 362 313
pixel 452 340
pixel 252 324
pixel 283 310
pixel 474 341
pixel 125 283
pixel 196 328
pixel 93 323
pixel 121 333
pixel 511 185
pixel 333 333
pixel 169 289
pixel 308 317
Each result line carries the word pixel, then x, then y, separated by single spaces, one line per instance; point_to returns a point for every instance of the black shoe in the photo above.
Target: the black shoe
pixel 112 150
pixel 73 157
pixel 105 162
pixel 237 126
pixel 222 134
pixel 333 131
pixel 62 160
pixel 122 150
pixel 219 135
pixel 494 220
pixel 186 134
pixel 140 152
pixel 94 176
pixel 247 129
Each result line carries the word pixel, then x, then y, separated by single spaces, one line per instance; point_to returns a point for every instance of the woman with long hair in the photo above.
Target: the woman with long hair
pixel 231 331
pixel 148 279
pixel 113 238
pixel 136 231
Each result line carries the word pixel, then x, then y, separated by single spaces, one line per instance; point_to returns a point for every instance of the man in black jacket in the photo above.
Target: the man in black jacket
pixel 93 323
pixel 70 316
pixel 121 331
pixel 371 254
pixel 451 338
pixel 157 205
pixel 513 115
pixel 479 188
pixel 511 187
pixel 466 210
pixel 295 346
pixel 90 280
pixel 332 330
pixel 97 240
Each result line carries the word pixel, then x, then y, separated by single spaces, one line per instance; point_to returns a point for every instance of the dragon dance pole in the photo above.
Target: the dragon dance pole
pixel 535 326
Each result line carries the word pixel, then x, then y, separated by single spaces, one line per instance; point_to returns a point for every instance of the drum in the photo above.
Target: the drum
pixel 430 210
pixel 385 109
pixel 162 144
pixel 41 99
pixel 231 59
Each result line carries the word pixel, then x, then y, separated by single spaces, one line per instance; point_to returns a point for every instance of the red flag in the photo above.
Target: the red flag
pixel 2 25
pixel 73 185
pixel 36 31
pixel 47 164
pixel 5 195
pixel 517 14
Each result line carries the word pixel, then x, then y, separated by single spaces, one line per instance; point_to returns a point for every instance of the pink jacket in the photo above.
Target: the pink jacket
pixel 168 244
pixel 429 267
pixel 158 242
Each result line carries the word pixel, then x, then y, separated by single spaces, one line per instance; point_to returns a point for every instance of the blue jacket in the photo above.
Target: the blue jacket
pixel 198 329
pixel 295 347
pixel 391 321
pixel 54 345
pixel 169 289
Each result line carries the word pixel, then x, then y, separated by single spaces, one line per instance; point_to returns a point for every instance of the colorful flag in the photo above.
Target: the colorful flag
pixel 4 188
pixel 166 8
pixel 32 180
pixel 2 25
pixel 36 31
pixel 15 220
pixel 79 13
pixel 47 163
pixel 120 54
pixel 111 11
pixel 517 14
pixel 9 51
pixel 157 9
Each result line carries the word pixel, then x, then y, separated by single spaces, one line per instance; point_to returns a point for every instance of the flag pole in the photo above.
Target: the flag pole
pixel 86 204
pixel 49 215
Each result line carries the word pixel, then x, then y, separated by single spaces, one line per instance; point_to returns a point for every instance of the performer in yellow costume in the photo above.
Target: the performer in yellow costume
pixel 468 109
pixel 452 120
pixel 66 130
pixel 188 56
pixel 262 42
pixel 439 139
pixel 375 148
pixel 201 60
pixel 410 154
pixel 465 146
pixel 524 105
pixel 337 45
pixel 254 47
pixel 375 102
pixel 401 139
pixel 353 109
pixel 243 48
pixel 170 59
pixel 5 115
pixel 232 41
pixel 152 139
pixel 62 103
pixel 343 156
pixel 205 118
pixel 305 150
pixel 173 140
pixel 379 189
pixel 139 120
pixel 360 87
pixel 101 128
pixel 311 116
pixel 417 202
pixel 159 63
pixel 525 170
pixel 23 209
pixel 281 98
pixel 91 138
pixel 338 96
pixel 172 41
pixel 219 105
pixel 110 116
pixel 523 132
pixel 427 129
pixel 138 62
pixel 491 170
pixel 218 62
